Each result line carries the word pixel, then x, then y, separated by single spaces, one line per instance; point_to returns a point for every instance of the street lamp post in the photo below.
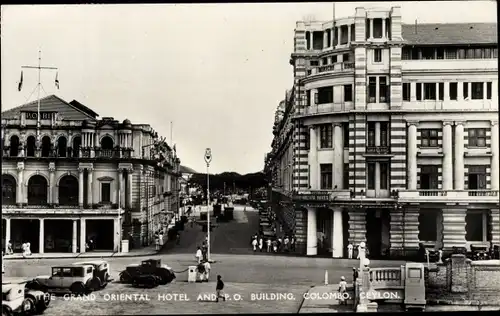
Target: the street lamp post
pixel 208 159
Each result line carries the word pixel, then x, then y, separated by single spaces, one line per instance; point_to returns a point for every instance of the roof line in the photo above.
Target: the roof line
pixel 74 107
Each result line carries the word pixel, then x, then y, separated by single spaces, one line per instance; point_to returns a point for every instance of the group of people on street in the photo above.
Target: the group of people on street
pixel 158 240
pixel 273 244
pixel 25 249
pixel 202 252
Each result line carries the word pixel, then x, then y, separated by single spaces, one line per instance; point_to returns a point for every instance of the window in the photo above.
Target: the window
pixel 441 91
pixel 346 57
pixel 334 59
pixel 377 55
pixel 316 98
pixel 415 54
pixel 406 53
pixel 325 61
pixel 388 26
pixel 377 28
pixel 105 192
pixel 427 53
pixel 67 272
pixel 353 32
pixel 474 225
pixel 367 28
pixel 477 90
pixel 419 91
pixel 384 175
pixel 56 272
pixel 451 53
pixel 487 53
pixel 308 40
pixel 429 138
pixel 477 178
pixel 466 90
pixel 427 224
pixel 406 91
pixel 343 33
pixel 308 97
pixel 328 38
pixel 478 53
pixel 461 53
pixel 326 136
pixel 453 90
pixel 439 53
pixel 326 176
pixel 384 133
pixel 488 90
pixel 314 62
pixel 372 89
pixel 371 176
pixel 429 91
pixel 325 95
pixel 348 92
pixel 383 90
pixel 429 177
pixel 307 140
pixel 317 40
pixel 371 134
pixel 477 137
pixel 345 128
pixel 470 53
pixel 346 176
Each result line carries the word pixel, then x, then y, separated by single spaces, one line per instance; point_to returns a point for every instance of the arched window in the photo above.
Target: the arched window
pixel 46 146
pixel 37 190
pixel 77 143
pixel 107 142
pixel 8 189
pixel 30 146
pixel 14 146
pixel 61 146
pixel 68 190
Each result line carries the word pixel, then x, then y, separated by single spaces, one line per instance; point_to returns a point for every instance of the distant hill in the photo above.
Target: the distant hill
pixel 185 169
pixel 231 180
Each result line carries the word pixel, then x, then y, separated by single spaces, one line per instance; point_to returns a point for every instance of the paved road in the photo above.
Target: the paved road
pixel 244 274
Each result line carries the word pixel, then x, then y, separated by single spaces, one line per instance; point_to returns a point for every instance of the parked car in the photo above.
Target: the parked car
pixel 77 279
pixel 101 273
pixel 148 272
pixel 19 300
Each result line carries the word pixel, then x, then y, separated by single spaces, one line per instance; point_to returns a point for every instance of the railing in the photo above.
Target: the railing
pixel 70 153
pixel 342 66
pixel 464 195
pixel 386 277
pixel 379 150
pixel 325 108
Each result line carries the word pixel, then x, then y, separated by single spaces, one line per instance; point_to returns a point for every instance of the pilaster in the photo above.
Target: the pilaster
pixel 397 232
pixel 80 186
pixel 20 184
pixel 313 159
pixel 448 156
pixel 83 235
pixel 412 155
pixel 357 226
pixel 453 228
pixel 90 186
pixel 495 225
pixel 41 237
pixel 52 184
pixel 338 156
pixel 459 156
pixel 337 234
pixel 312 239
pixel 7 233
pixel 74 240
pixel 495 157
pixel 410 222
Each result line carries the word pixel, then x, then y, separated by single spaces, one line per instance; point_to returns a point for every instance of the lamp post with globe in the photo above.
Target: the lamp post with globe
pixel 208 159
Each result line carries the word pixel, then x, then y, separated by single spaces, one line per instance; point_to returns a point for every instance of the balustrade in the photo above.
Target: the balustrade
pixel 386 277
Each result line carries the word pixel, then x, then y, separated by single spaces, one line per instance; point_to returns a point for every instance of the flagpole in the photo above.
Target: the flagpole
pixel 38 124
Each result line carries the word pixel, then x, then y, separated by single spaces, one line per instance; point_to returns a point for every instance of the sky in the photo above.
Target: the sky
pixel 217 71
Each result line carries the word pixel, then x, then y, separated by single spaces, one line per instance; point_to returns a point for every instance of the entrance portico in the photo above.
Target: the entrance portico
pixel 316 230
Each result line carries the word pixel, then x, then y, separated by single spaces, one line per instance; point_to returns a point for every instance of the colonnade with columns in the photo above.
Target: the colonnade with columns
pixel 338 156
pixel 453 157
pixel 337 232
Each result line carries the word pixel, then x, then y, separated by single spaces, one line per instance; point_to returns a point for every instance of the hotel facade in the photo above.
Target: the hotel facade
pixel 388 136
pixel 78 177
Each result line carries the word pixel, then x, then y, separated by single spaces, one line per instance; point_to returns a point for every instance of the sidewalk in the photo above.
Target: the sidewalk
pixel 146 251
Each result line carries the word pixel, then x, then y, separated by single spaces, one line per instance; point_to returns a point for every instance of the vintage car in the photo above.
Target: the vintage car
pixel 148 272
pixel 479 253
pixel 101 273
pixel 77 279
pixel 19 300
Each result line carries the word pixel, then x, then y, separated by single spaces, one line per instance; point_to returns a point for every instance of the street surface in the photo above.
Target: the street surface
pixel 242 271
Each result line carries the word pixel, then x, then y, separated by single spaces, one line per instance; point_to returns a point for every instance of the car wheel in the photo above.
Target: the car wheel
pixel 95 284
pixel 6 311
pixel 78 288
pixel 29 306
pixel 125 277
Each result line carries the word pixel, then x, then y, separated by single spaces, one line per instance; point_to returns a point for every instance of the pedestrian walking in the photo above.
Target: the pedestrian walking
pixel 254 244
pixel 342 290
pixel 261 244
pixel 349 251
pixel 28 248
pixel 207 267
pixel 198 255
pixel 24 249
pixel 268 245
pixel 219 289
pixel 286 242
pixel 3 264
pixel 275 246
pixel 292 243
pixel 279 243
pixel 157 243
pixel 9 248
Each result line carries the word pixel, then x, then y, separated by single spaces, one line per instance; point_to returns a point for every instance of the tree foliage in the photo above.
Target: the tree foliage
pixel 249 181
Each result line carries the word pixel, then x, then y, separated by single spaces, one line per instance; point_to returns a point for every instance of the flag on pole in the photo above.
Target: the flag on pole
pixel 57 80
pixel 20 85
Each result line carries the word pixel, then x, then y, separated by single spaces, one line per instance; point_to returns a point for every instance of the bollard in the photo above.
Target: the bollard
pixel 192 274
pixel 326 277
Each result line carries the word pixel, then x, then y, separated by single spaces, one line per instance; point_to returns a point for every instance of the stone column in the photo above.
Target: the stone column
pixel 377 177
pixel 339 32
pixel 41 237
pixel 312 239
pixel 120 187
pixel 459 156
pixel 20 184
pixel 90 186
pixel 74 241
pixel 495 225
pixel 377 134
pixel 495 170
pixel 313 97
pixel 448 157
pixel 332 36
pixel 83 235
pixel 116 239
pixel 129 187
pixel 325 39
pixel 52 183
pixel 384 36
pixel 313 159
pixel 337 234
pixel 80 187
pixel 311 40
pixel 7 233
pixel 349 33
pixel 453 228
pixel 412 155
pixel 371 28
pixel 338 156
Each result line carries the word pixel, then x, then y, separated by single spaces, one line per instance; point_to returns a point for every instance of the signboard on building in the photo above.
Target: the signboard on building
pixel 34 115
pixel 318 196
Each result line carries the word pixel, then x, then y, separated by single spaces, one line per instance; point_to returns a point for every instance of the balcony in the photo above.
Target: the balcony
pixel 377 150
pixel 451 105
pixel 485 196
pixel 336 67
pixel 453 65
pixel 326 108
pixel 321 195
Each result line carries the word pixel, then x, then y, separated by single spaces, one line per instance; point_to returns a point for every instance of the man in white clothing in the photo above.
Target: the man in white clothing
pixel 198 255
pixel 206 275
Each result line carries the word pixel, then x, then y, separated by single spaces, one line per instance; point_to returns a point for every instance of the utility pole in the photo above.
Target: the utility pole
pixel 39 87
pixel 208 159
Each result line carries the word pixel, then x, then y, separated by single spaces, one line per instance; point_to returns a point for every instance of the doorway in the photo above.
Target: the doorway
pixel 378 233
pixel 102 233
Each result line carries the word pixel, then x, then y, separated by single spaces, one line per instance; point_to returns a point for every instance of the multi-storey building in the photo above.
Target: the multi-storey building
pixel 78 177
pixel 395 136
